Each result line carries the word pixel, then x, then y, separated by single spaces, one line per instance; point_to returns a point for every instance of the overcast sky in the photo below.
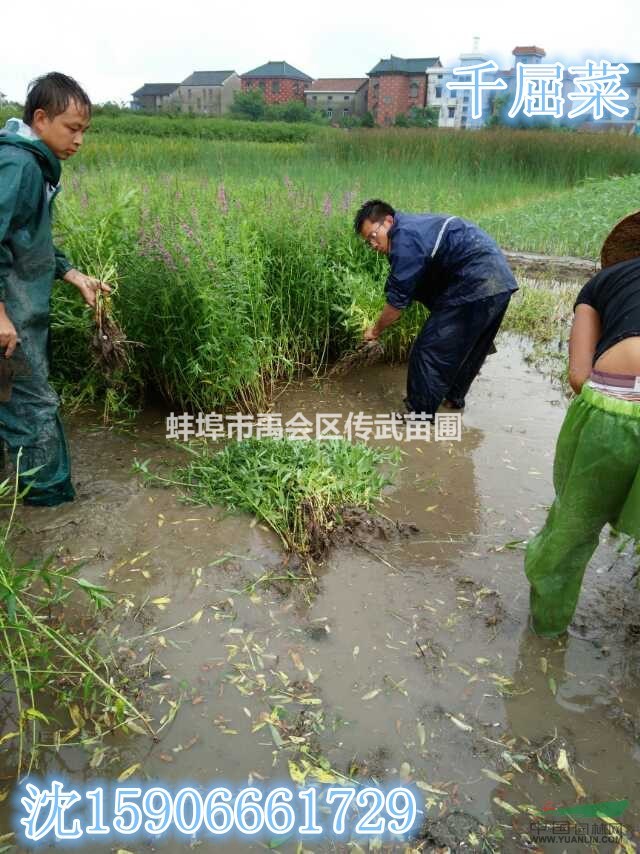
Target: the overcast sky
pixel 113 48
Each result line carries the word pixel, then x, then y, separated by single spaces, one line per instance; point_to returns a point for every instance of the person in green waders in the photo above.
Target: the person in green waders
pixel 56 115
pixel 596 471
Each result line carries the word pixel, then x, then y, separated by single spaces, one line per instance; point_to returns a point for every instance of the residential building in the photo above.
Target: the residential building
pixel 279 81
pixel 439 96
pixel 630 124
pixel 338 97
pixel 153 96
pixel 209 93
pixel 455 104
pixel 396 85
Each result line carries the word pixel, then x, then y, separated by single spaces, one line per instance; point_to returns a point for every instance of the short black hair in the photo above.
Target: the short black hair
pixel 53 93
pixel 374 210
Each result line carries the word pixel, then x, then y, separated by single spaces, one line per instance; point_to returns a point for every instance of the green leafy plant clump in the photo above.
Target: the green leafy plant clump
pixel 297 487
pixel 56 681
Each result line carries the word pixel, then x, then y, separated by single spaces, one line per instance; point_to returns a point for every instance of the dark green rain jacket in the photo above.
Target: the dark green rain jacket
pixel 29 263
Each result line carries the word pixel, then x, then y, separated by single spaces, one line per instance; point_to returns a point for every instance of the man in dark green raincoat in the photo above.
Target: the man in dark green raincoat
pixel 56 115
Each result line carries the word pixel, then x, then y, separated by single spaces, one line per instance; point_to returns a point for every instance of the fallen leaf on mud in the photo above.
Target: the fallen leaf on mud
pixel 506 807
pixel 371 694
pixel 196 617
pixel 460 724
pixel 509 758
pixel 543 666
pixel 296 773
pixel 161 602
pixel 97 756
pixel 165 757
pixel 405 772
pixel 297 661
pixel 76 717
pixel 323 776
pixel 130 771
pixel 356 651
pixel 552 685
pixel 432 508
pixel 563 765
pixel 493 776
pixel 422 735
pixel 427 788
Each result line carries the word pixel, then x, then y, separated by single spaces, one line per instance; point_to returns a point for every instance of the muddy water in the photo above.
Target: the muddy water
pixel 410 659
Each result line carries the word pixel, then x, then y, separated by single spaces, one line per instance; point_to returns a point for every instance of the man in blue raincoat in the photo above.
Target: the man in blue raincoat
pixel 56 115
pixel 461 275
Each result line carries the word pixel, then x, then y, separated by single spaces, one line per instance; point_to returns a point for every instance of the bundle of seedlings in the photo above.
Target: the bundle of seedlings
pixel 109 343
pixel 299 488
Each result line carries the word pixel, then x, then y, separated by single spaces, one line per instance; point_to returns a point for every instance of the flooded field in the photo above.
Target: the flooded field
pixel 406 657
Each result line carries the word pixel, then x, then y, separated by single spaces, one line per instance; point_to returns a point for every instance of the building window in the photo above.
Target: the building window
pixel 275 86
pixel 189 94
pixel 438 91
pixel 452 112
pixel 387 99
pixel 413 90
pixel 329 114
pixel 345 112
pixel 346 97
pixel 329 97
pixel 314 97
pixel 262 85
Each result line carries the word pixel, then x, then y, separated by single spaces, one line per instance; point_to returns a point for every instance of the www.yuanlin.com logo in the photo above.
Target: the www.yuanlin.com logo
pixel 582 823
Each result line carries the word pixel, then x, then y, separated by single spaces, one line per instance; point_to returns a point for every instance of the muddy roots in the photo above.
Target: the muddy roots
pixel 367 353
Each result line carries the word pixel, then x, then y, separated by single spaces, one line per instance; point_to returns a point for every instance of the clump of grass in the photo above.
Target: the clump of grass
pixel 60 680
pixel 296 487
pixel 542 310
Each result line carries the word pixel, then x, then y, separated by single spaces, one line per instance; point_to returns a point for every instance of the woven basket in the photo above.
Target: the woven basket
pixel 623 242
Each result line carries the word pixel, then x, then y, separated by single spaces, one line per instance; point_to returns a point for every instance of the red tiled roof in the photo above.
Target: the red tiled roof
pixel 337 84
pixel 529 49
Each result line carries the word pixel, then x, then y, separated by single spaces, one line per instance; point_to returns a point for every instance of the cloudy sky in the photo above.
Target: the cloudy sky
pixel 113 48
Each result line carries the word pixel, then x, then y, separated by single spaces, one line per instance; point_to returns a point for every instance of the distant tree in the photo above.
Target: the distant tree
pixel 423 117
pixel 290 111
pixel 368 121
pixel 498 112
pixel 248 105
pixel 401 121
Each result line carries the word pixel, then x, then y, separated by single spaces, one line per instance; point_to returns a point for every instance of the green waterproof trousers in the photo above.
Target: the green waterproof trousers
pixel 30 420
pixel 596 477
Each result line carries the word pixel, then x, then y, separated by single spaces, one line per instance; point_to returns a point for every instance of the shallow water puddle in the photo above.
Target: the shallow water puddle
pixel 410 658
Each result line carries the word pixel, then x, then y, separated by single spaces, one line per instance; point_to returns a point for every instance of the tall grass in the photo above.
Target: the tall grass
pixel 237 261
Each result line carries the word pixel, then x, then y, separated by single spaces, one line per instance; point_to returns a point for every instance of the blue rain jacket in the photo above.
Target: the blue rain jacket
pixel 443 261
